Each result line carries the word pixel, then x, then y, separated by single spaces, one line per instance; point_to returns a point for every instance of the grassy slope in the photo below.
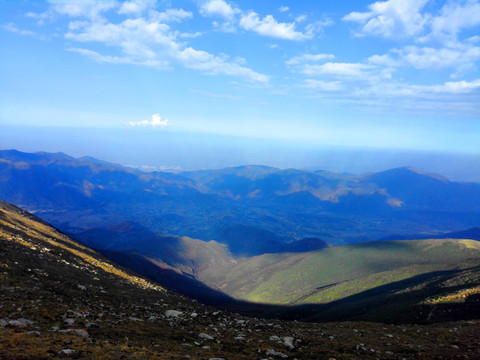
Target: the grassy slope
pixel 334 273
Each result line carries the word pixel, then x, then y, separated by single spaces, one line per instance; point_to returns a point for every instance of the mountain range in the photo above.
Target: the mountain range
pixel 251 209
pixel 396 247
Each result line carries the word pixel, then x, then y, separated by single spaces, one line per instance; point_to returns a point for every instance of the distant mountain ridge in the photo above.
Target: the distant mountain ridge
pixel 253 209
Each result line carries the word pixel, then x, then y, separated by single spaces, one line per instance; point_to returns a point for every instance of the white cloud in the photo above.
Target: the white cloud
pixel 135 6
pixel 156 121
pixel 190 35
pixel 454 17
pixel 213 65
pixel 460 57
pixel 323 85
pixel 223 10
pixel 109 59
pixel 355 70
pixel 40 17
pixel 453 87
pixel 296 60
pixel 151 42
pixel 171 15
pixel 392 18
pixel 77 8
pixel 11 27
pixel 383 60
pixel 268 26
pixel 301 18
pixel 251 21
pixel 218 8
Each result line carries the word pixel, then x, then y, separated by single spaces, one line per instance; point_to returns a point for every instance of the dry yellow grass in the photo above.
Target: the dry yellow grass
pixel 49 238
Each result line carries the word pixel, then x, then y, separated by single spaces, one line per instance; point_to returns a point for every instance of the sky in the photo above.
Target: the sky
pixel 397 75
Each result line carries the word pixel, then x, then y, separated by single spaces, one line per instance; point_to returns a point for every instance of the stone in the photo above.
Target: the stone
pixel 67 352
pixel 131 318
pixel 173 314
pixel 288 342
pixel 205 336
pixel 79 332
pixel 20 322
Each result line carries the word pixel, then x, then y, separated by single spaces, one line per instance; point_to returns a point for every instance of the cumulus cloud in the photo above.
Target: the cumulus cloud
pixel 296 60
pixel 135 6
pixel 458 57
pixel 427 57
pixel 323 85
pixel 234 17
pixel 392 18
pixel 268 26
pixel 11 27
pixel 146 40
pixel 218 8
pixel 454 17
pixel 357 70
pixel 439 31
pixel 171 15
pixel 77 8
pixel 155 121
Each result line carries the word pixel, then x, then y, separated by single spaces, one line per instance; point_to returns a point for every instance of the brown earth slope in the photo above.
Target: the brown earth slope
pixel 61 299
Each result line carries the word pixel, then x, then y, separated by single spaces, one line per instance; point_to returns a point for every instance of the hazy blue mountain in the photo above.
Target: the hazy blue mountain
pixel 252 209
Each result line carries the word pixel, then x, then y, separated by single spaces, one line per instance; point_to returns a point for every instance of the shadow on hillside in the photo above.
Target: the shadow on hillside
pixel 398 302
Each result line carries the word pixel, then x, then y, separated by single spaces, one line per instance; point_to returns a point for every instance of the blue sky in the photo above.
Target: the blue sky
pixel 399 74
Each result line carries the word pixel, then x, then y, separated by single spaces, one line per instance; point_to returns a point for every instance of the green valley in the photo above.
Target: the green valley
pixel 337 272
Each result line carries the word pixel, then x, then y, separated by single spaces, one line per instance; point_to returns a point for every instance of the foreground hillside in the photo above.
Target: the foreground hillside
pixel 61 299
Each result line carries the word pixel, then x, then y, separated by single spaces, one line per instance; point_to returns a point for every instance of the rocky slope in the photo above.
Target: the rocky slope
pixel 61 299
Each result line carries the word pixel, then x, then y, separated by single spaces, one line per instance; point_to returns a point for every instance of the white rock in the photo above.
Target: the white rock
pixel 131 318
pixel 205 336
pixel 173 313
pixel 20 322
pixel 69 322
pixel 67 352
pixel 288 341
pixel 80 332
